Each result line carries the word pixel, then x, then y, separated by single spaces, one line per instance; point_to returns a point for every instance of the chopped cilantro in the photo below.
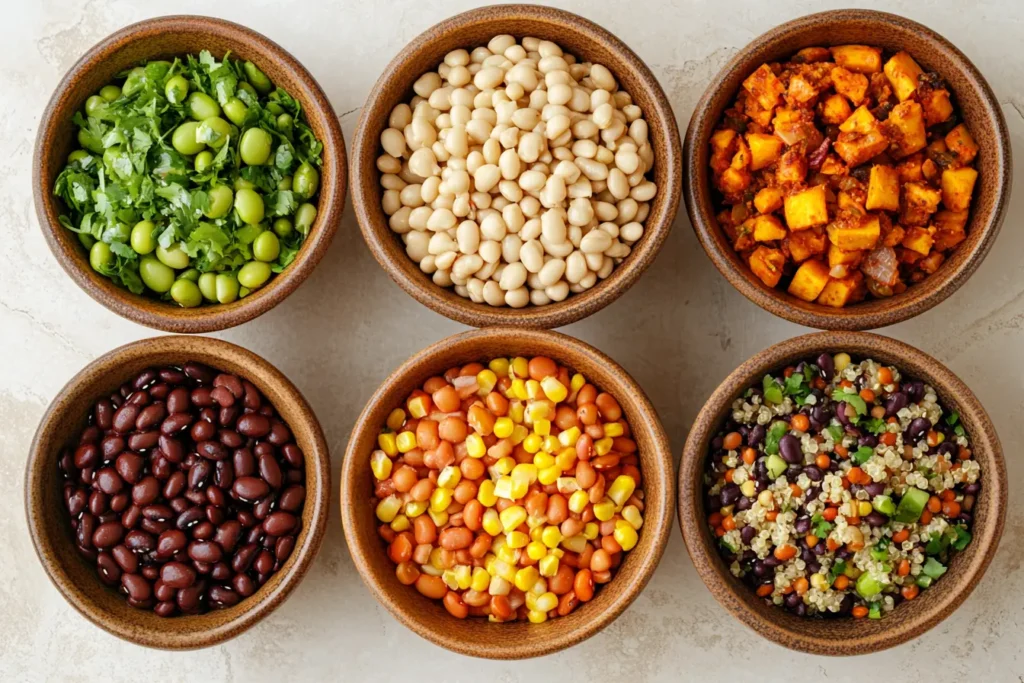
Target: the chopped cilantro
pixel 836 432
pixel 775 434
pixel 821 526
pixel 952 418
pixel 862 454
pixel 838 568
pixel 772 390
pixel 875 425
pixel 963 537
pixel 853 399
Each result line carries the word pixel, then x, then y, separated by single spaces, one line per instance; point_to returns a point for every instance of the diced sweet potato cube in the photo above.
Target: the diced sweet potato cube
pixel 860 121
pixel 767 264
pixel 910 169
pixel 835 109
pixel 937 107
pixel 856 149
pixel 902 72
pixel 906 128
pixel 768 200
pixel 833 165
pixel 723 148
pixel 792 167
pixel 863 236
pixel 919 240
pixel 860 58
pixel 804 244
pixel 931 263
pixel 894 236
pixel 765 86
pixel 764 150
pixel 809 280
pixel 929 170
pixel 800 91
pixel 950 229
pixel 883 189
pixel 960 142
pixel 806 209
pixel 919 203
pixel 741 159
pixel 767 228
pixel 811 54
pixel 733 181
pixel 840 292
pixel 957 186
pixel 843 257
pixel 850 84
pixel 847 200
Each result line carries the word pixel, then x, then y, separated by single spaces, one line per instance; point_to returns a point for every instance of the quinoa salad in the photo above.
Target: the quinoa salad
pixel 840 488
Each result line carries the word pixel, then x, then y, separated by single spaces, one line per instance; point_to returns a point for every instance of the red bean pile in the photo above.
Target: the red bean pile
pixel 185 489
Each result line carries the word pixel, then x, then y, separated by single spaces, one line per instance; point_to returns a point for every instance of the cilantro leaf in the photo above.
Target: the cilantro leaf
pixel 772 390
pixel 862 454
pixel 836 432
pixel 875 425
pixel 963 537
pixel 775 434
pixel 952 418
pixel 822 527
pixel 852 398
pixel 838 568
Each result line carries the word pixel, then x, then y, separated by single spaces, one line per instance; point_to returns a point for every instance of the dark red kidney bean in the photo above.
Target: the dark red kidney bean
pixel 125 389
pixel 77 502
pixel 174 423
pixel 175 485
pixel 109 481
pixel 199 372
pixel 98 503
pixel 129 466
pixel 109 571
pixel 221 572
pixel 111 446
pixel 203 431
pixel 227 535
pixel 116 399
pixel 124 418
pixel 283 548
pixel 253 425
pixel 190 518
pixel 196 496
pixel 87 455
pixel 264 563
pixel 143 441
pixel 145 378
pixel 159 391
pixel 137 587
pixel 104 414
pixel 141 604
pixel 243 585
pixel 202 397
pixel 161 468
pixel 230 438
pixel 253 399
pixel 138 398
pixel 231 383
pixel 279 433
pixel 126 559
pixel 215 515
pixel 279 523
pixel 198 475
pixel 67 464
pixel 107 535
pixel 108 516
pixel 91 434
pixel 172 376
pixel 170 542
pixel 223 397
pixel 150 416
pixel 165 609
pixel 180 504
pixel 224 474
pixel 263 448
pixel 204 530
pixel 208 415
pixel 86 527
pixel 202 567
pixel 205 551
pixel 131 516
pixel 254 534
pixel 212 450
pixel 228 415
pixel 189 599
pixel 151 572
pixel 219 596
pixel 246 519
pixel 244 463
pixel 250 488
pixel 120 502
pixel 263 507
pixel 266 411
pixel 178 401
pixel 177 575
pixel 85 476
pixel 216 496
pixel 270 471
pixel 87 553
pixel 243 558
pixel 163 592
pixel 158 513
pixel 292 498
pixel 293 454
pixel 153 526
pixel 146 491
pixel 171 448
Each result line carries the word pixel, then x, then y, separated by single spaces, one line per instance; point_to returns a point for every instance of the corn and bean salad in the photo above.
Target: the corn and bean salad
pixel 509 490
pixel 844 172
pixel 840 488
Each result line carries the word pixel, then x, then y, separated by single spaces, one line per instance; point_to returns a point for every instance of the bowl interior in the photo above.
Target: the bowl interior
pixel 477 637
pixel 974 102
pixel 909 619
pixel 166 38
pixel 48 521
pixel 575 35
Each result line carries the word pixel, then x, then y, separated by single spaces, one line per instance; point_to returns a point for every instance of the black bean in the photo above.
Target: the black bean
pixel 895 403
pixel 827 366
pixel 789 448
pixel 876 519
pixel 919 426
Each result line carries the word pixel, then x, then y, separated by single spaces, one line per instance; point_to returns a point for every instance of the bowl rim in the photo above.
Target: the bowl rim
pixel 735 597
pixel 866 315
pixel 658 530
pixel 151 312
pixel 317 496
pixel 374 224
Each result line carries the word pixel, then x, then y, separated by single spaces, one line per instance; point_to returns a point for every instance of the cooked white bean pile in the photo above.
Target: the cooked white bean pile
pixel 516 173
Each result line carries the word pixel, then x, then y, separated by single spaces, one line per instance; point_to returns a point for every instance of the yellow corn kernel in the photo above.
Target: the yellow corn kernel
pixel 516 539
pixel 603 446
pixel 604 510
pixel 532 443
pixel 512 517
pixel 491 522
pixel 540 460
pixel 475 446
pixel 550 444
pixel 517 411
pixel 566 459
pixel 749 488
pixel 406 441
pixel 380 464
pixel 520 367
pixel 519 435
pixel 449 477
pixel 567 485
pixel 499 366
pixel 537 617
pixel 485 494
pixel 536 531
pixel 863 508
pixel 547 602
pixel 554 389
pixel 621 489
pixel 418 407
pixel 576 544
pixel 819 581
pixel 631 514
pixel 613 429
pixel 534 522
pixel 481 579
pixel 439 518
pixel 625 534
pixel 486 379
pixel 464 574
pixel 499 586
pixel 548 566
pixel 388 509
pixel 388 443
pixel 578 501
pixel 508 554
pixel 503 488
pixel 569 437
pixel 440 499
pixel 557 552
pixel 549 475
pixel 577 382
pixel 551 536
pixel 400 524
pixel 519 489
pixel 526 577
pixel 591 530
pixel 526 471
pixel 498 543
pixel 505 465
pixel 396 419
pixel 450 580
pixel 435 559
pixel 533 390
pixel 415 508
pixel 841 361
pixel 536 551
pixel 518 389
pixel 503 427
pixel 542 426
pixel 537 410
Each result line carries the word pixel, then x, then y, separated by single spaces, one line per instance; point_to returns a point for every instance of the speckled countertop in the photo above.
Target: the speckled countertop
pixel 679 331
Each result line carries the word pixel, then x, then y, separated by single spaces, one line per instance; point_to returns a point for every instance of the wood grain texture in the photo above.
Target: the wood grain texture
pixel 911 618
pixel 575 35
pixel 478 637
pixel 164 38
pixel 76 578
pixel 975 103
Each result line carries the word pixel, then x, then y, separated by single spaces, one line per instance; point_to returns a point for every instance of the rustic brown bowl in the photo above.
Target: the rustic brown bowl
pixel 576 35
pixel 166 37
pixel 909 619
pixel 976 104
pixel 478 637
pixel 76 578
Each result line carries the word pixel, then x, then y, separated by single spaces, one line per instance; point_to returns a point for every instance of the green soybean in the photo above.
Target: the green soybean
pixel 203 161
pixel 176 89
pixel 213 131
pixel 283 227
pixel 306 181
pixel 221 198
pixel 184 138
pixel 304 217
pixel 236 111
pixel 100 256
pixel 243 184
pixel 266 247
pixel 285 183
pixel 95 105
pixel 174 256
pixel 255 146
pixel 208 286
pixel 134 82
pixel 254 274
pixel 226 288
pixel 156 275
pixel 251 91
pixel 275 108
pixel 284 124
pixel 257 78
pixel 201 106
pixel 90 141
pixel 142 238
pixel 192 274
pixel 186 293
pixel 110 92
pixel 249 206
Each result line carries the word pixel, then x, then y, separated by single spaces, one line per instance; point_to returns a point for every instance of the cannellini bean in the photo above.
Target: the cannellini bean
pixel 644 192
pixel 532 181
pixel 595 242
pixel 601 77
pixel 531 229
pixel 575 267
pixel 393 142
pixel 530 147
pixel 554 191
pixel 556 249
pixel 539 298
pixel 532 256
pixel 388 164
pixel 401 116
pixel 466 265
pixel 428 264
pixel 426 84
pixel 486 177
pixel 513 277
pixel 442 278
pixel 553 226
pixel 468 237
pixel 552 272
pixel 475 289
pixel 493 293
pixel 580 212
pixel 423 163
pixel 509 164
pixel 417 245
pixel 594 261
pixel 445 260
pixel 441 220
pixel 492 226
pixel 618 184
pixel 391 202
pixel 618 250
pixel 558 291
pixel 510 247
pixel 399 221
pixel 517 298
pixel 631 232
pixel 440 242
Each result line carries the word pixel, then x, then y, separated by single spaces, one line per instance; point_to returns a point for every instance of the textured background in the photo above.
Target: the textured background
pixel 679 331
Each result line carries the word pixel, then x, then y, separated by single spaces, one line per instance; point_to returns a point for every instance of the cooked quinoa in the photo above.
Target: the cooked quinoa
pixel 840 488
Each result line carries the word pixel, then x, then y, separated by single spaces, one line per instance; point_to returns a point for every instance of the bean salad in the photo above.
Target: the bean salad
pixel 840 488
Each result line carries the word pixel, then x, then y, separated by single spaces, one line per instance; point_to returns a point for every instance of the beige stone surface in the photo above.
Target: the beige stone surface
pixel 680 330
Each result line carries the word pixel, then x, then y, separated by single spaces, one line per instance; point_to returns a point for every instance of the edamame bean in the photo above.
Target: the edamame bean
pixel 254 274
pixel 243 184
pixel 214 131
pixel 221 198
pixel 249 206
pixel 156 275
pixel 110 92
pixel 174 256
pixel 306 181
pixel 255 146
pixel 90 141
pixel 236 111
pixel 176 89
pixel 119 232
pixel 142 239
pixel 208 286
pixel 283 227
pixel 95 105
pixel 266 247
pixel 184 138
pixel 257 78
pixel 204 160
pixel 78 155
pixel 226 288
pixel 201 106
pixel 249 90
pixel 100 256
pixel 86 240
pixel 192 275
pixel 134 82
pixel 284 124
pixel 186 293
pixel 275 108
pixel 285 183
pixel 304 217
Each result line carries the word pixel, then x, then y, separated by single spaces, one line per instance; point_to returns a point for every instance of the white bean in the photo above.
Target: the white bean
pixel 595 242
pixel 644 192
pixel 552 272
pixel 558 291
pixel 492 227
pixel 440 242
pixel 493 293
pixel 486 177
pixel 553 226
pixel 416 245
pixel 444 261
pixel 442 278
pixel 513 277
pixel 423 163
pixel 490 251
pixel 532 256
pixel 594 261
pixel 631 232
pixel 539 298
pixel 510 247
pixel 468 236
pixel 517 298
pixel 601 77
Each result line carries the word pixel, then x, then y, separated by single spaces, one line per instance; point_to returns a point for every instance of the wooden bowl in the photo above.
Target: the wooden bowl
pixel 478 637
pixel 76 579
pixel 910 619
pixel 575 35
pixel 167 37
pixel 976 104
